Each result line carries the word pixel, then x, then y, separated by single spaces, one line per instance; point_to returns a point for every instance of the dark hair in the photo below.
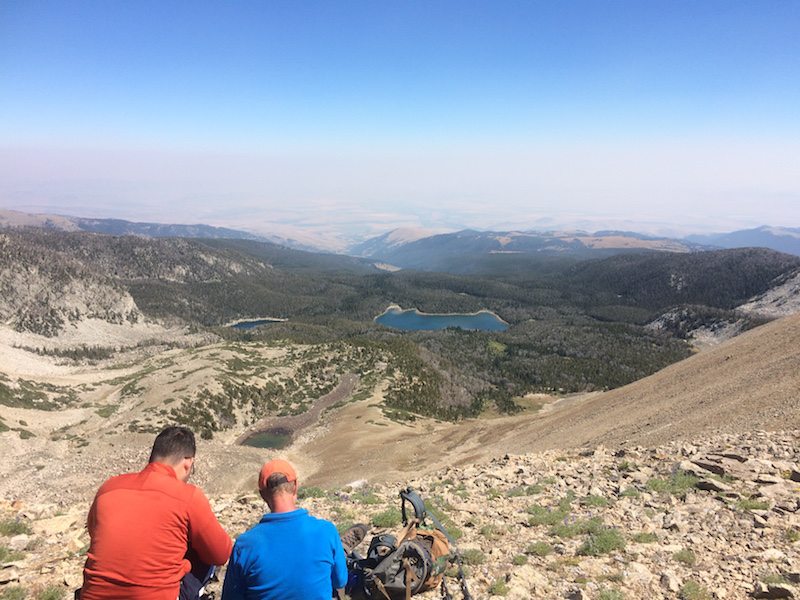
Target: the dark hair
pixel 173 443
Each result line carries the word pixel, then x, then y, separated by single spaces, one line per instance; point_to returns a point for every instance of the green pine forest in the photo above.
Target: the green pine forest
pixel 576 323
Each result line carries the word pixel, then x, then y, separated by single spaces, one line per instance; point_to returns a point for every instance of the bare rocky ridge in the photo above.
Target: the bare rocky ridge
pixel 779 301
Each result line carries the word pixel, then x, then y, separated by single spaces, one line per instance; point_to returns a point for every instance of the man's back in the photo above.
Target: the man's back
pixel 141 525
pixel 286 556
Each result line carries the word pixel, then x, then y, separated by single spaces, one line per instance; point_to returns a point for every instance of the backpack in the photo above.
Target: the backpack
pixel 397 568
pixel 414 566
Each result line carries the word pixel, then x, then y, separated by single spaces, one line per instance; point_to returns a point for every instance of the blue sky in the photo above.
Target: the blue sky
pixel 229 111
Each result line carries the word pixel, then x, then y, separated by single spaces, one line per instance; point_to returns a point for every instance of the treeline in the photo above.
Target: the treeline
pixel 75 353
pixel 720 279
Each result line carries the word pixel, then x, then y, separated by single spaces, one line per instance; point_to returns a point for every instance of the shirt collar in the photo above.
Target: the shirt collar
pixel 161 468
pixel 284 516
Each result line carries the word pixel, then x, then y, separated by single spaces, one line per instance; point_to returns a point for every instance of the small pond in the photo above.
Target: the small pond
pixel 413 320
pixel 277 437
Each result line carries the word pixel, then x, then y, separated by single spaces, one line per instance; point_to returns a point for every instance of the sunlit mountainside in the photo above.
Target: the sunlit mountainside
pixel 476 251
pixel 106 339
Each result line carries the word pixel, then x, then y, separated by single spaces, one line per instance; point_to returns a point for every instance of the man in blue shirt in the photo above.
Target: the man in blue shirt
pixel 288 555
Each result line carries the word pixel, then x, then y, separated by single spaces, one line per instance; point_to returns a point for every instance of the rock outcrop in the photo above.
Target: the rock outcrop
pixel 717 518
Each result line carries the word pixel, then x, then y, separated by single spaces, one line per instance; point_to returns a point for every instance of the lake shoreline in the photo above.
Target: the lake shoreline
pixel 255 320
pixel 396 308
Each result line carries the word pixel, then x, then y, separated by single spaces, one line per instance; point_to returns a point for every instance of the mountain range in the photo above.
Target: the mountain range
pixel 13 218
pixel 427 249
pixel 470 251
pixel 782 239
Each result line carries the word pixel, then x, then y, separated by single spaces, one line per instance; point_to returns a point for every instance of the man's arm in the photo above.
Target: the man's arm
pixel 233 587
pixel 91 519
pixel 206 536
pixel 339 569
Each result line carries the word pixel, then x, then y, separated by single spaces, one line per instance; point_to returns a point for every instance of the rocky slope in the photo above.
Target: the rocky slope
pixel 718 518
pixel 42 295
pixel 782 299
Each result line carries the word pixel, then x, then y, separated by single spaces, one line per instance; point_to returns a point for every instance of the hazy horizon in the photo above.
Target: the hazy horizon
pixel 341 122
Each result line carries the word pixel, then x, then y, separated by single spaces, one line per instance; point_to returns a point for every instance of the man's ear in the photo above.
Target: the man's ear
pixel 186 465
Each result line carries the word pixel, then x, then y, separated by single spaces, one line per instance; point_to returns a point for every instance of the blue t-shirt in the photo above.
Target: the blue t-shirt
pixel 286 556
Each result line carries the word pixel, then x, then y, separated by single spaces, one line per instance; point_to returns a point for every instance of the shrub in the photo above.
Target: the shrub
pixel 544 516
pixel 579 527
pixel 13 526
pixel 490 532
pixel 444 518
pixel 8 555
pixel 602 542
pixel 519 560
pixel 686 557
pixel 343 518
pixel 343 526
pixel 310 492
pixel 13 592
pixel 472 556
pixel 106 411
pixel 752 504
pixel 610 594
pixel 692 590
pixel 530 490
pixel 595 501
pixel 678 484
pixel 366 497
pixel 499 587
pixel 539 549
pixel 54 592
pixel 388 518
pixel 793 535
pixel 645 538
pixel 629 492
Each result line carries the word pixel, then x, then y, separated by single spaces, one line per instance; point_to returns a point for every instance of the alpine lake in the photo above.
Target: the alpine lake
pixel 413 320
pixel 275 438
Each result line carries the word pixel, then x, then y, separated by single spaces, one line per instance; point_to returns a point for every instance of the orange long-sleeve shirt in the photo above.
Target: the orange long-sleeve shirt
pixel 141 525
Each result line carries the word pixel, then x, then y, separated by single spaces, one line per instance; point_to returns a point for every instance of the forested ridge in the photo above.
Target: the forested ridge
pixel 574 326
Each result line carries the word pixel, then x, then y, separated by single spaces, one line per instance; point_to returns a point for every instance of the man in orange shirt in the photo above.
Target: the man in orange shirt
pixel 153 535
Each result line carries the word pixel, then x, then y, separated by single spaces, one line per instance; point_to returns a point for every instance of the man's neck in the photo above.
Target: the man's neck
pixel 283 503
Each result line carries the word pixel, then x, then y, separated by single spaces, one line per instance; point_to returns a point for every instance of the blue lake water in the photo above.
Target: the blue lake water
pixel 253 324
pixel 413 320
pixel 275 438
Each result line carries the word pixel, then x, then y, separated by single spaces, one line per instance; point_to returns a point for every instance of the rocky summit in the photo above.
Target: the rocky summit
pixel 717 518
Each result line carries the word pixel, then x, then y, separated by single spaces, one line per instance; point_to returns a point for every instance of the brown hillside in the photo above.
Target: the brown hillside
pixel 748 383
